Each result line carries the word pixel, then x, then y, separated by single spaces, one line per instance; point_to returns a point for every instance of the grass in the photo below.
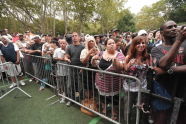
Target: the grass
pixel 16 108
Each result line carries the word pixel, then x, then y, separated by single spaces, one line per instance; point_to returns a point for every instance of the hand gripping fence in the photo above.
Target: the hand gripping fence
pixel 8 75
pixel 97 92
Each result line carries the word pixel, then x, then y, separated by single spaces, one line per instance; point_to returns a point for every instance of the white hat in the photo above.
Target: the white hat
pixel 36 36
pixel 7 38
pixel 19 34
pixel 141 32
pixel 89 38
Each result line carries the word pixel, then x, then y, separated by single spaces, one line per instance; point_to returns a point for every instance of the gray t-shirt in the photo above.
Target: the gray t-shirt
pixel 74 52
pixel 176 80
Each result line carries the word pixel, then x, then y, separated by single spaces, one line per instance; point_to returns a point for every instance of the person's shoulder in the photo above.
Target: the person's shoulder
pixel 84 49
pixel 70 46
pixel 61 50
pixel 82 46
pixel 11 44
pixel 46 43
pixel 58 49
pixel 157 47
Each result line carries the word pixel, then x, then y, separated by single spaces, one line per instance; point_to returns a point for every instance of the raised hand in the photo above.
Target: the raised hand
pixel 181 34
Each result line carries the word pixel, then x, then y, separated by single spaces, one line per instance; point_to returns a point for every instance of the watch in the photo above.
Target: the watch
pixel 170 71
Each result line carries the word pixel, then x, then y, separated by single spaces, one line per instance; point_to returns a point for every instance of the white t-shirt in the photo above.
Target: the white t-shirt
pixel 61 69
pixel 58 53
pixel 84 53
pixel 21 44
pixel 45 47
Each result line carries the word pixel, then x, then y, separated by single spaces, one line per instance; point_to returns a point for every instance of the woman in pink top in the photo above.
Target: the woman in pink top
pixel 107 85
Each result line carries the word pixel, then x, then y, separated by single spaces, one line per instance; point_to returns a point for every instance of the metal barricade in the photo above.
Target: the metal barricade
pixel 8 77
pixel 81 86
pixel 40 68
pixel 99 92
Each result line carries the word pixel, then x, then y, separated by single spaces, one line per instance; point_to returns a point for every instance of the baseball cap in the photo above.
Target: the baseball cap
pixel 141 32
pixel 36 36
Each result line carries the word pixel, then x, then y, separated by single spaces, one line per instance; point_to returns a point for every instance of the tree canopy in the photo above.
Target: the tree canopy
pixel 89 16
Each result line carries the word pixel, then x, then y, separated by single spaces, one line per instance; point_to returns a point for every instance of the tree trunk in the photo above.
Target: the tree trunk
pixel 54 24
pixel 65 17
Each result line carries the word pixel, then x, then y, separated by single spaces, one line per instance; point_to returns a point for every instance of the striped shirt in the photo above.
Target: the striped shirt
pixel 109 85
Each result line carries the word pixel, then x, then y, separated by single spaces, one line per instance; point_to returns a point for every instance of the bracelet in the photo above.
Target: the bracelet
pixel 170 71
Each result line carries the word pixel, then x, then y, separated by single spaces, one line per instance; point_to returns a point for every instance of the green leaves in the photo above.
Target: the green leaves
pixel 150 18
pixel 127 22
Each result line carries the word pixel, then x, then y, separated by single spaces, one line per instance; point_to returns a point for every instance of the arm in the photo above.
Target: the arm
pixel 160 71
pixel 32 51
pixel 67 58
pixel 181 68
pixel 60 59
pixel 67 54
pixel 17 54
pixel 95 60
pixel 84 57
pixel 119 62
pixel 119 65
pixel 18 57
pixel 2 59
pixel 167 59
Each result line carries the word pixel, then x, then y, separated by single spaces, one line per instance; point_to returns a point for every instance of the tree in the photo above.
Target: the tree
pixel 126 23
pixel 83 11
pixel 178 10
pixel 152 17
pixel 108 13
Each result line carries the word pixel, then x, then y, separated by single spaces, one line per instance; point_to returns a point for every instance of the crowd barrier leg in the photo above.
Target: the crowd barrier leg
pixel 176 108
pixel 11 67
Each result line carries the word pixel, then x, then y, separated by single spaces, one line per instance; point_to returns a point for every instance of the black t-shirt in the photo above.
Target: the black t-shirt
pixel 36 46
pixel 74 52
pixel 176 82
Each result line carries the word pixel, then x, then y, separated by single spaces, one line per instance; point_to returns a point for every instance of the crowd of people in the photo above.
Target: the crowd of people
pixel 157 58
